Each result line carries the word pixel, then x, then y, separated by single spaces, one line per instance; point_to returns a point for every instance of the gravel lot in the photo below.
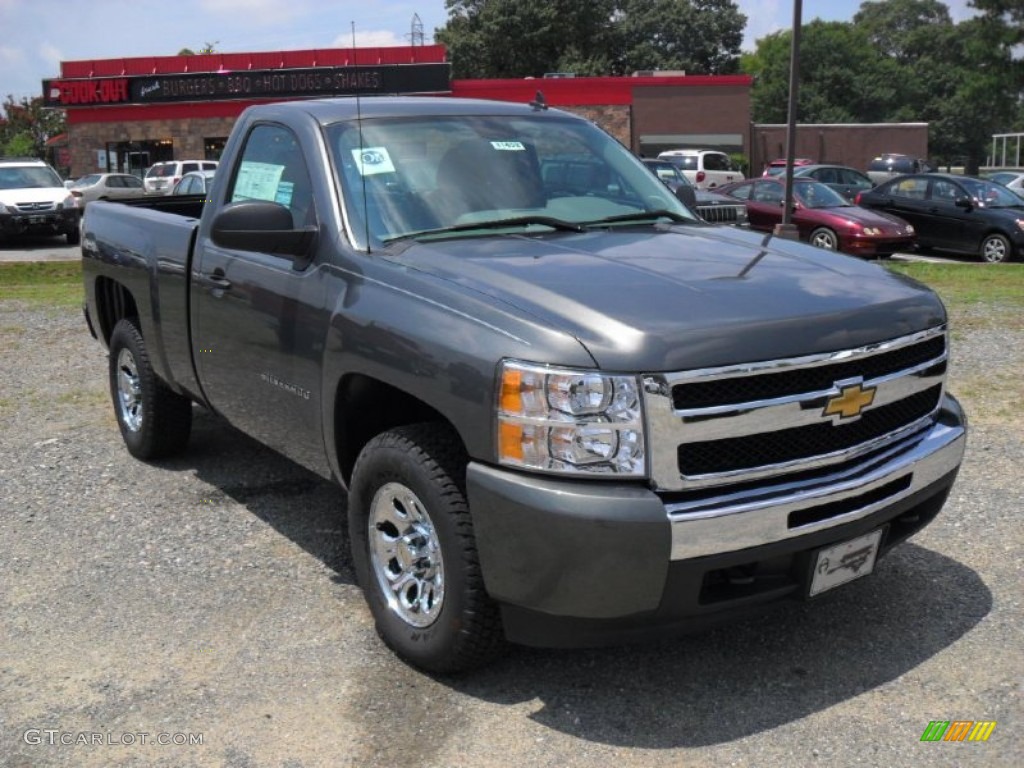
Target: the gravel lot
pixel 212 598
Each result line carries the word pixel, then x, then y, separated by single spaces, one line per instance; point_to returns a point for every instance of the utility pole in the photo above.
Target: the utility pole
pixel 787 229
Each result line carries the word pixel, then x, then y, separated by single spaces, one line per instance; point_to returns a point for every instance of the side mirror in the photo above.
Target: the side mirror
pixel 263 226
pixel 964 202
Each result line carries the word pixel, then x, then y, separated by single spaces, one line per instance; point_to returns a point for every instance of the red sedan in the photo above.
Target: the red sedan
pixel 823 217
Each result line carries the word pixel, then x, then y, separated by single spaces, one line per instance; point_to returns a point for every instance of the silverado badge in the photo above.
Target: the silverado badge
pixel 851 400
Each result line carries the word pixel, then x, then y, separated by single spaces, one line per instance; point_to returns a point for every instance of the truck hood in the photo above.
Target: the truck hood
pixel 674 298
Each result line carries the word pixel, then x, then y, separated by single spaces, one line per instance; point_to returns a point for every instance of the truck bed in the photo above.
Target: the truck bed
pixel 148 243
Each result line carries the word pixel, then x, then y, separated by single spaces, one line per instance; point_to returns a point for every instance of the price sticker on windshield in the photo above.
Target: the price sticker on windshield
pixel 508 146
pixel 373 160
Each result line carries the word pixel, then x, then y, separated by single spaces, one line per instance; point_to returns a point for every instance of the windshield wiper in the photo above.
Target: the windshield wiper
pixel 645 216
pixel 516 221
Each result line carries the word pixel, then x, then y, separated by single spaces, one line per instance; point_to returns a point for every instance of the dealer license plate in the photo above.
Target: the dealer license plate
pixel 845 562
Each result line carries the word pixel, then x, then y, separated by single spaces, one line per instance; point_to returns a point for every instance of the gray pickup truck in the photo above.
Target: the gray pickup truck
pixel 566 411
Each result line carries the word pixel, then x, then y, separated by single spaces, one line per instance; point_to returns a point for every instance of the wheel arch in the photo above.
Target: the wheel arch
pixel 114 302
pixel 364 407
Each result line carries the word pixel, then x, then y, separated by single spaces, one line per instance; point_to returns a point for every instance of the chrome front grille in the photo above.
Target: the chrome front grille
pixel 748 422
pixel 41 207
pixel 722 214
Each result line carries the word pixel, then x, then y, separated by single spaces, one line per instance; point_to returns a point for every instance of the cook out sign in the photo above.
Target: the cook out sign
pixel 65 92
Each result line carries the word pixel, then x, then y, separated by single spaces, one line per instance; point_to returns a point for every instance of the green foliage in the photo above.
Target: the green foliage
pixel 528 38
pixel 26 125
pixel 902 61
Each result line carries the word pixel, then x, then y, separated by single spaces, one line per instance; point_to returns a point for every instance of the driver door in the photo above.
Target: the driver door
pixel 258 318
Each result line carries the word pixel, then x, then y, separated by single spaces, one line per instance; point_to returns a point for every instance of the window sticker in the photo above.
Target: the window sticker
pixel 373 160
pixel 285 189
pixel 508 146
pixel 258 181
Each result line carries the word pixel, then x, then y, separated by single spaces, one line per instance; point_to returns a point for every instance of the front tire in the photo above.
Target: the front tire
pixel 996 249
pixel 415 553
pixel 154 421
pixel 823 237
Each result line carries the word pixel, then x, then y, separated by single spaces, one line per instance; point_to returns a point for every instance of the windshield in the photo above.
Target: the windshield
pixel 814 194
pixel 403 176
pixel 991 194
pixel 29 177
pixel 666 171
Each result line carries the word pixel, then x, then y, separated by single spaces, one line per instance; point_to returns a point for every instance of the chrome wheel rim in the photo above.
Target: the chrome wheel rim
pixel 405 555
pixel 824 240
pixel 129 391
pixel 994 250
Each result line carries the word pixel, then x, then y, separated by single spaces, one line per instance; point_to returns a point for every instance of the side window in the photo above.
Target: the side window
pixel 855 179
pixel 114 182
pixel 945 190
pixel 189 167
pixel 272 168
pixel 766 192
pixel 714 161
pixel 209 166
pixel 826 175
pixel 913 189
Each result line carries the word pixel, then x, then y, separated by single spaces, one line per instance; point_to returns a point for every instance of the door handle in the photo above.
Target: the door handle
pixel 216 281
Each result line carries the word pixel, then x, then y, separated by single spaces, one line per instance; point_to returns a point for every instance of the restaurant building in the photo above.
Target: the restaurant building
pixel 126 114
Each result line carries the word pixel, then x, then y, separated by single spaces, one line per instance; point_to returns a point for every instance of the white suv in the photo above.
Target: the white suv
pixel 705 168
pixel 33 199
pixel 161 177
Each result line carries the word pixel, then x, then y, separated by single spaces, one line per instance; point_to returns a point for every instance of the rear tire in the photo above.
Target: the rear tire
pixel 823 237
pixel 154 421
pixel 996 249
pixel 415 553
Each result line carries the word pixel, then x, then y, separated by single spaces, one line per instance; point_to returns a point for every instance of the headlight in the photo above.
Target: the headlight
pixel 569 421
pixel 873 231
pixel 1020 224
pixel 910 229
pixel 3 208
pixel 70 202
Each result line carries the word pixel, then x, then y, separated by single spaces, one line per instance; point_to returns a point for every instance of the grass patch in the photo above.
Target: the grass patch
pixel 969 283
pixel 978 296
pixel 54 283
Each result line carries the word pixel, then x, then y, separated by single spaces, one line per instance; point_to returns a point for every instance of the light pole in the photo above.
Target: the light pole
pixel 787 229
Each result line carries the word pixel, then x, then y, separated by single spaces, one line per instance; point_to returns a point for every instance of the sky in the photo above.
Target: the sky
pixel 36 35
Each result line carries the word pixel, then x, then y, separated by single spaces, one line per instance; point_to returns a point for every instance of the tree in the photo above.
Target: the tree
pixel 27 125
pixel 842 78
pixel 894 26
pixel 900 61
pixel 521 38
pixel 698 36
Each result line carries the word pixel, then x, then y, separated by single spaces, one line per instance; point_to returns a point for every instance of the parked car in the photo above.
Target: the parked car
pixel 884 167
pixel 161 177
pixel 33 199
pixel 194 183
pixel 706 168
pixel 844 180
pixel 106 186
pixel 962 214
pixel 710 206
pixel 778 167
pixel 823 217
pixel 1013 180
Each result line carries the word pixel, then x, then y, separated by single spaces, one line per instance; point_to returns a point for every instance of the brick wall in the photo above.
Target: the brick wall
pixel 187 138
pixel 616 119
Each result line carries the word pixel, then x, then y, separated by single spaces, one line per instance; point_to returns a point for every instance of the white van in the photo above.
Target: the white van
pixel 161 178
pixel 705 168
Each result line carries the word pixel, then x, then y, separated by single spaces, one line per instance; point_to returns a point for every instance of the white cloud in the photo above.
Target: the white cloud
pixel 256 13
pixel 10 57
pixel 51 55
pixel 373 38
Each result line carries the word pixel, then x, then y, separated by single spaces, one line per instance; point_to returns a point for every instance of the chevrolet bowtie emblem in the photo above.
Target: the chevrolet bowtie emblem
pixel 851 400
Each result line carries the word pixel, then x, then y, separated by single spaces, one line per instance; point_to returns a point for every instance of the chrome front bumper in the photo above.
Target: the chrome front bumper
pixel 733 521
